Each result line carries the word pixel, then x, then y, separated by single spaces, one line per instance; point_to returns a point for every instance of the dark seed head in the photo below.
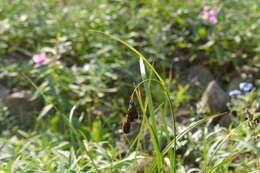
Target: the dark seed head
pixel 132 113
pixel 126 126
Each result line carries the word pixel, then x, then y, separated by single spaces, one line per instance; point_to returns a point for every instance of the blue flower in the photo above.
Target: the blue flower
pixel 234 92
pixel 245 86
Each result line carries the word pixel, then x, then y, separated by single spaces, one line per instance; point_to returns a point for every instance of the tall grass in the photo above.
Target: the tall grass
pixel 149 116
pixel 152 127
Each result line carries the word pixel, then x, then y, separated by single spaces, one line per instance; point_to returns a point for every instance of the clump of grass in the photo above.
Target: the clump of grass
pixel 149 119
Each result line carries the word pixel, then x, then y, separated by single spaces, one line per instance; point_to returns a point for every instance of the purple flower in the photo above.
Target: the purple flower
pixel 211 15
pixel 245 86
pixel 234 92
pixel 40 58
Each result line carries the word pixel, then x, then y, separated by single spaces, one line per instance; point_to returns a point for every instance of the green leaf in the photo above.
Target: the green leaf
pixel 220 55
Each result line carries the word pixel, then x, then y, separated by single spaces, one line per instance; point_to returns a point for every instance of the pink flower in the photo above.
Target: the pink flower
pixel 40 58
pixel 211 15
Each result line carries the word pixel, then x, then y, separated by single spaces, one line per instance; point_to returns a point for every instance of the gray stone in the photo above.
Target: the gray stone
pixel 199 75
pixel 19 102
pixel 21 108
pixel 215 98
pixel 250 69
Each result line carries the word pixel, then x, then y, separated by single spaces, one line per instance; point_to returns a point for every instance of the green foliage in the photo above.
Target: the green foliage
pixel 92 73
pixel 171 30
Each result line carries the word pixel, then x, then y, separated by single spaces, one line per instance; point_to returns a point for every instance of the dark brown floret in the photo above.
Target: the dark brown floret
pixel 126 126
pixel 132 113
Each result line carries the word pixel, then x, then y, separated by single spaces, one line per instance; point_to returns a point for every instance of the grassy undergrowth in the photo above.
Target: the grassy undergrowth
pixel 222 149
pixel 92 82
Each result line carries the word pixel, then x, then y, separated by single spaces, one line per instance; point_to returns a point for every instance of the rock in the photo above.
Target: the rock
pixel 21 108
pixel 199 75
pixel 3 92
pixel 19 102
pixel 214 97
pixel 250 70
